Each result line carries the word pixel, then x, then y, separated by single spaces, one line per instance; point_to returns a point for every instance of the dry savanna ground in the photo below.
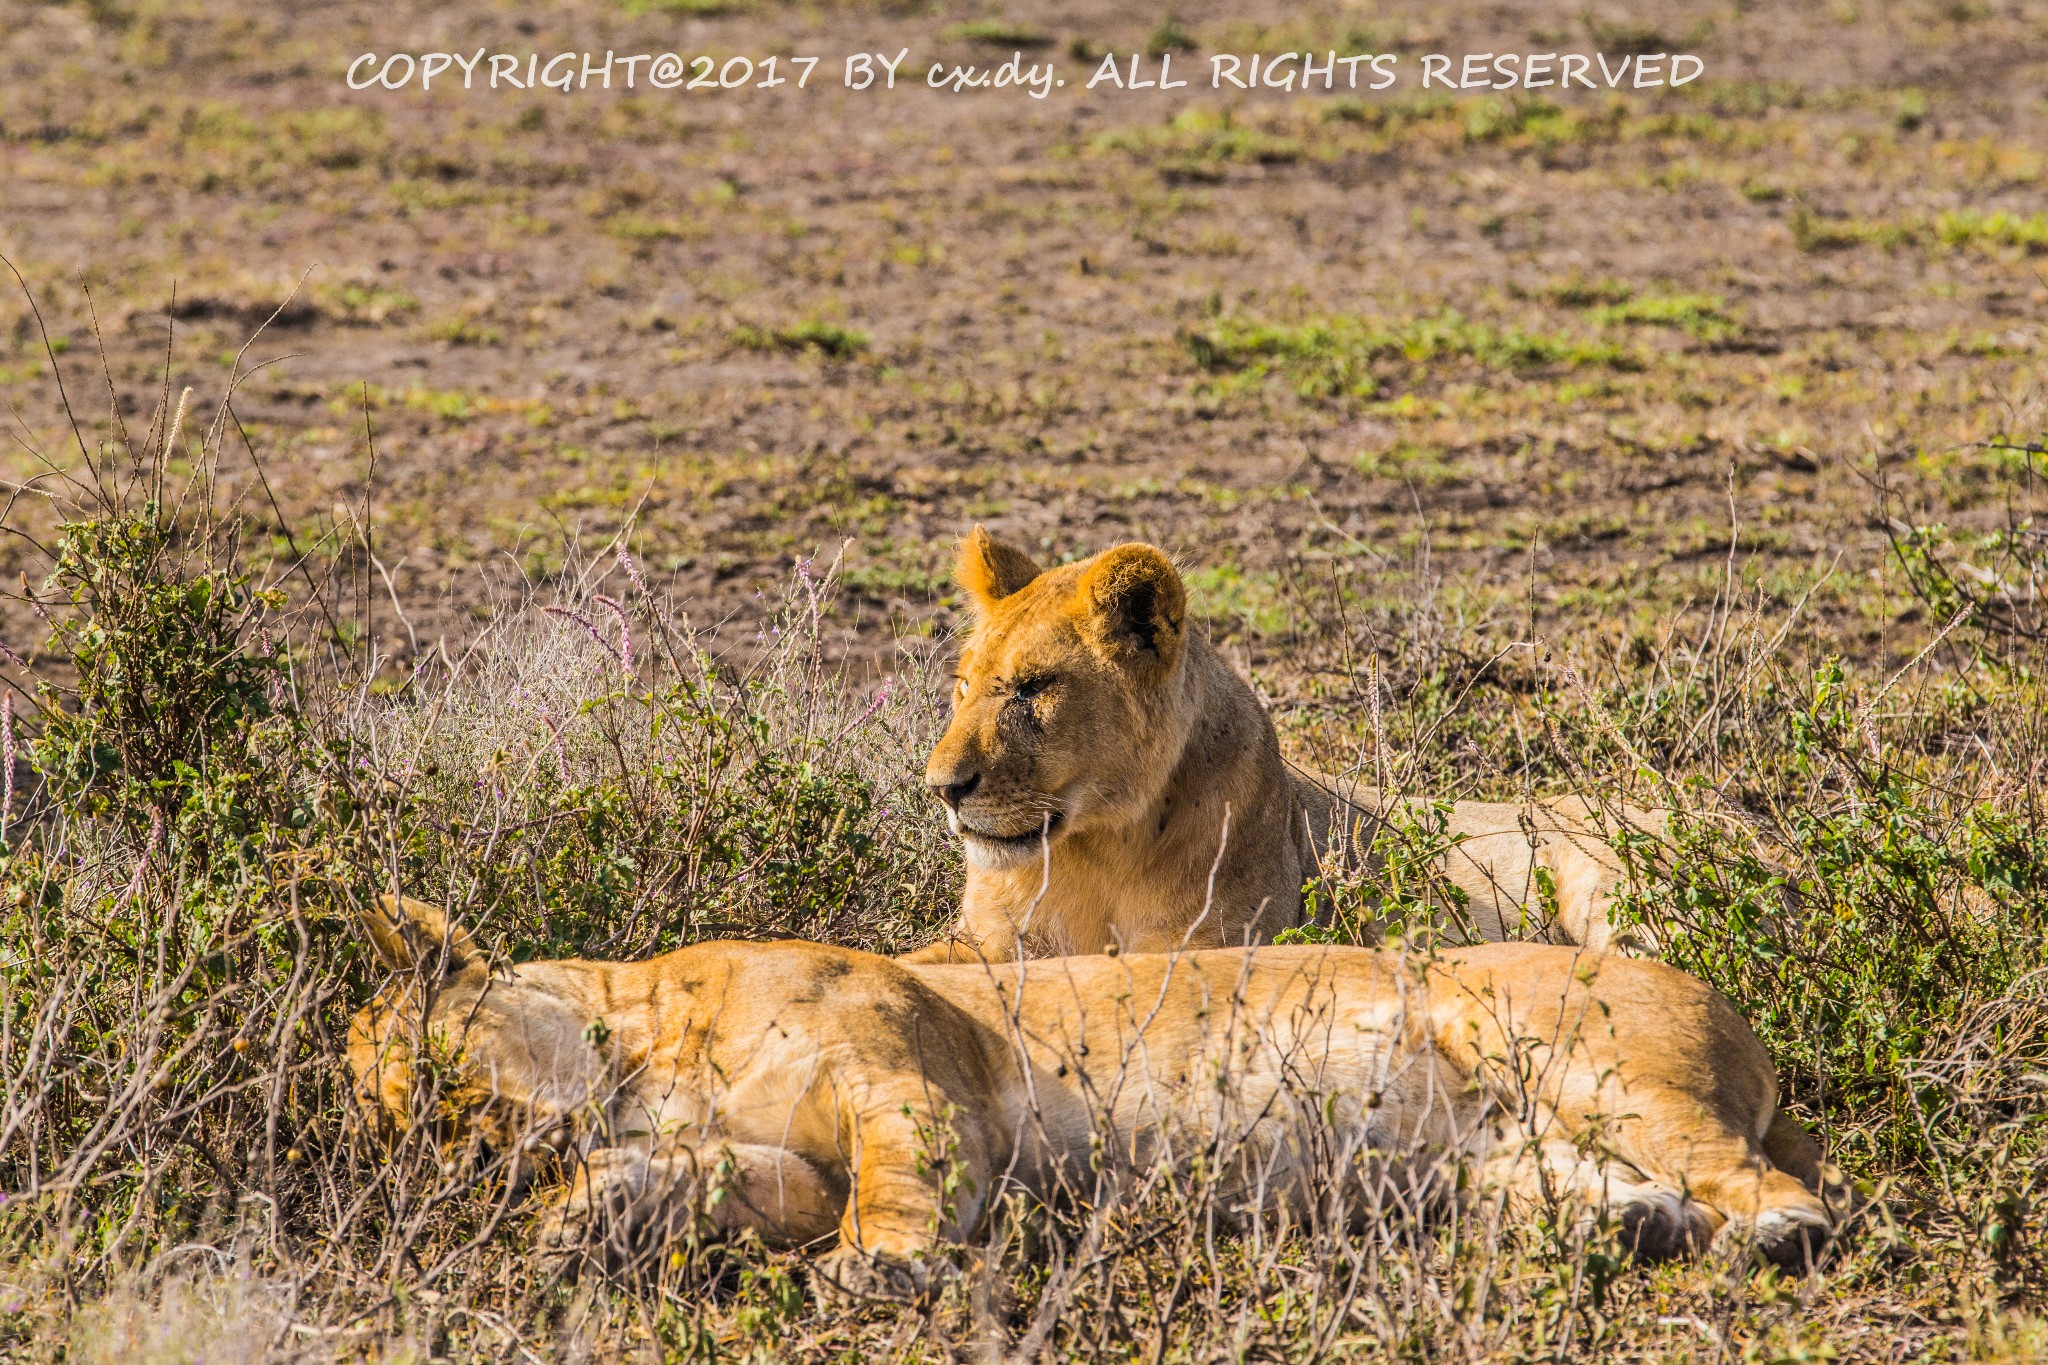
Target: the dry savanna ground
pixel 1570 349
pixel 1509 440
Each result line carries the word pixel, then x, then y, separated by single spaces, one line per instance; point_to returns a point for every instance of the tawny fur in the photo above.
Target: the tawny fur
pixel 816 1094
pixel 1117 785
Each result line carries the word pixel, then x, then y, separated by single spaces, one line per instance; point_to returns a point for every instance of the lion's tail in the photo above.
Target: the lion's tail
pixel 406 933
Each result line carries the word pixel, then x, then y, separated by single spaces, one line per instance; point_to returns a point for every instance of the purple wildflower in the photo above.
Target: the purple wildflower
pixel 588 629
pixel 618 609
pixel 34 601
pixel 881 695
pixel 561 749
pixel 6 759
pixel 632 570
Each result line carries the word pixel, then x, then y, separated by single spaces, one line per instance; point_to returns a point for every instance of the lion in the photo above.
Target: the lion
pixel 1116 786
pixel 875 1111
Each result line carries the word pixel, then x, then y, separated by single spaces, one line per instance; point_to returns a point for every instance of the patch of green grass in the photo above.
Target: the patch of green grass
pixel 840 343
pixel 1336 355
pixel 1170 36
pixel 462 330
pixel 1813 233
pixel 1199 142
pixel 635 228
pixel 1227 594
pixel 1912 111
pixel 1957 230
pixel 1703 316
pixel 1576 291
pixel 994 33
pixel 1419 465
pixel 364 304
pixel 1966 228
pixel 695 9
pixel 447 405
pixel 883 580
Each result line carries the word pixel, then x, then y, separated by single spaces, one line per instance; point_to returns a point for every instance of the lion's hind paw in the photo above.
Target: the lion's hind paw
pixel 850 1277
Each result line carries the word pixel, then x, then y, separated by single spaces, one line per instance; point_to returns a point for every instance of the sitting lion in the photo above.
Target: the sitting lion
pixel 815 1094
pixel 1118 787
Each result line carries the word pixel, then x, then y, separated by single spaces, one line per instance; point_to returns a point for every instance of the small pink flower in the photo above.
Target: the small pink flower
pixel 588 629
pixel 561 749
pixel 881 695
pixel 633 570
pixel 6 759
pixel 625 650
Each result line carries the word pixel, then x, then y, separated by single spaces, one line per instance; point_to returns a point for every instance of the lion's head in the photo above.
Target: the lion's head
pixel 1066 709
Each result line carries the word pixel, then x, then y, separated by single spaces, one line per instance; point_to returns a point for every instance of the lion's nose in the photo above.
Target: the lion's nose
pixel 953 793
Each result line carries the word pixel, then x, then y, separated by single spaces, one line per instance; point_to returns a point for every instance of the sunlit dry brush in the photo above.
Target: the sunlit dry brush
pixel 216 775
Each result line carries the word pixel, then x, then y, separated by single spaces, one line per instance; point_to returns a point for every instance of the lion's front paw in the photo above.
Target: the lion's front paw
pixel 590 1223
pixel 564 1239
pixel 849 1276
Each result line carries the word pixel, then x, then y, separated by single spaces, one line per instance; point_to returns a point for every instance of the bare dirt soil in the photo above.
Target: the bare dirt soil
pixel 1549 350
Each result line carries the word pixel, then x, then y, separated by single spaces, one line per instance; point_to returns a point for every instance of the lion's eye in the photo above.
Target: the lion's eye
pixel 959 687
pixel 1027 688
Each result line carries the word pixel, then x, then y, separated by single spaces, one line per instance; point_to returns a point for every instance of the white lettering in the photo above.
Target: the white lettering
pixel 1617 73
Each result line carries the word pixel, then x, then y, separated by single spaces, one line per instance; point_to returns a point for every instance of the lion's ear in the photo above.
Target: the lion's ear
pixel 992 569
pixel 405 932
pixel 1133 606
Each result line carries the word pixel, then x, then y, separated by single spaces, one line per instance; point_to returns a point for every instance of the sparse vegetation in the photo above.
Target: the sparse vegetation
pixel 995 33
pixel 1336 357
pixel 1170 36
pixel 1702 316
pixel 1196 143
pixel 838 342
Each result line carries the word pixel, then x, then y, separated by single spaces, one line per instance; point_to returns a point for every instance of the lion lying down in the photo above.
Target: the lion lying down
pixel 822 1090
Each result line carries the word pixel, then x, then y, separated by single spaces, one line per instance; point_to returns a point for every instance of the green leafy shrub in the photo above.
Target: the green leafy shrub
pixel 176 678
pixel 1881 913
